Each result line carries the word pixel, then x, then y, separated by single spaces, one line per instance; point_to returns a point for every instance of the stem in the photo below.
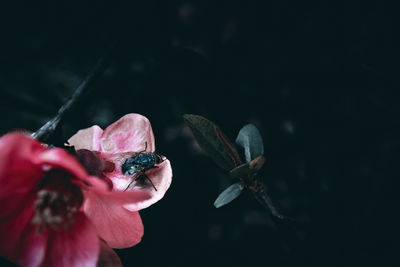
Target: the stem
pixel 267 203
pixel 257 187
pixel 45 132
pixel 286 226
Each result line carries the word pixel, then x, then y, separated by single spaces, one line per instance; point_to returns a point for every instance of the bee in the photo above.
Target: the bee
pixel 141 162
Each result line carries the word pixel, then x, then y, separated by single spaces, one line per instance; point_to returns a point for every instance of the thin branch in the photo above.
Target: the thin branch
pixel 267 203
pixel 45 132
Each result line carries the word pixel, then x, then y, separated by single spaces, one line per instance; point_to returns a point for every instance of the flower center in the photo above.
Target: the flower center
pixel 57 201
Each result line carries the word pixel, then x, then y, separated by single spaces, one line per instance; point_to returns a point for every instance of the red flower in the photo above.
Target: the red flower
pixel 116 221
pixel 41 194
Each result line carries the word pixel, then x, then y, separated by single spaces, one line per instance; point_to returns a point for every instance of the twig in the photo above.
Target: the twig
pixel 257 187
pixel 267 203
pixel 46 131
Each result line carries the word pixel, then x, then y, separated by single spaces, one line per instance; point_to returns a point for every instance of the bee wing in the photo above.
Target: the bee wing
pixel 121 157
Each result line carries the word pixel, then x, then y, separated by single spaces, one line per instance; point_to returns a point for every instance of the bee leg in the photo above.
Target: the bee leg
pixel 138 177
pixel 145 176
pixel 129 184
pixel 145 148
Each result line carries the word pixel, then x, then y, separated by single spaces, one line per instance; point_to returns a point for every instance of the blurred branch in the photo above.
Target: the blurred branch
pixel 46 132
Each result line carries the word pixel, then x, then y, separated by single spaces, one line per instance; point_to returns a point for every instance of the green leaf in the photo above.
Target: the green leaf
pixel 213 141
pixel 250 139
pixel 229 194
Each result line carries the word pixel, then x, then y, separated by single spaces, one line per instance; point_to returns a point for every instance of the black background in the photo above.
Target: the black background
pixel 318 78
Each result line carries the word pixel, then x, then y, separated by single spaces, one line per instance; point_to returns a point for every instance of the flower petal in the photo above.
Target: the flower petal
pixel 18 173
pixel 108 257
pixel 20 240
pixel 120 197
pixel 17 151
pixel 59 158
pixel 130 133
pixel 88 138
pixel 93 162
pixel 34 248
pixel 75 245
pixel 161 177
pixel 116 225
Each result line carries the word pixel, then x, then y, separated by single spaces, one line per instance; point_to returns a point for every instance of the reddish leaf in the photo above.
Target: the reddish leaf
pixel 246 170
pixel 228 145
pixel 213 141
pixel 257 163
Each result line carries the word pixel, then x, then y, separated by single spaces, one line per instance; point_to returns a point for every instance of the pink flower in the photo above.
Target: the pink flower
pixel 118 222
pixel 41 194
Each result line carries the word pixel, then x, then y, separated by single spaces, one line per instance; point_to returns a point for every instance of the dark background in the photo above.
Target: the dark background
pixel 318 78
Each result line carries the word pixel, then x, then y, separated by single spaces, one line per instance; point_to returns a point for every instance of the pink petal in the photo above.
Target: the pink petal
pixel 161 177
pixel 128 134
pixel 88 138
pixel 116 225
pixel 120 198
pixel 95 183
pixel 34 248
pixel 75 245
pixel 18 174
pixel 93 162
pixel 20 241
pixel 59 158
pixel 24 161
pixel 108 257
